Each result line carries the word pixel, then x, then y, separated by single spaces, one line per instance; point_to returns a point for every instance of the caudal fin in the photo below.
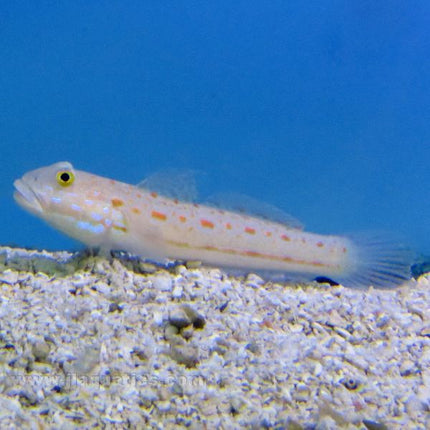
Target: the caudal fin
pixel 377 260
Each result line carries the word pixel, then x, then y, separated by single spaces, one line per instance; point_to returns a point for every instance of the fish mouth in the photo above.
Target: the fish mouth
pixel 26 197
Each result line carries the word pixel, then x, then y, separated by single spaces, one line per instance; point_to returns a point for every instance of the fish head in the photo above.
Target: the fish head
pixel 37 190
pixel 68 199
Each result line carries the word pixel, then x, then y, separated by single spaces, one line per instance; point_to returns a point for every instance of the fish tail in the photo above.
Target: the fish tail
pixel 378 260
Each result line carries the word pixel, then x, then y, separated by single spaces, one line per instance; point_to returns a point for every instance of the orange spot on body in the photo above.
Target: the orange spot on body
pixel 116 203
pixel 206 223
pixel 120 228
pixel 210 248
pixel 158 215
pixel 154 194
pixel 228 226
pixel 249 230
pixel 182 218
pixel 317 263
pixel 285 237
pixel 139 195
pixel 268 233
pixel 320 244
pixel 136 211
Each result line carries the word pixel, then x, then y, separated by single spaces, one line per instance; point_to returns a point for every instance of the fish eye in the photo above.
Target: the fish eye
pixel 65 177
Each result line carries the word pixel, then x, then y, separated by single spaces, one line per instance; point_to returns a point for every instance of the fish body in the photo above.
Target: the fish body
pixel 113 215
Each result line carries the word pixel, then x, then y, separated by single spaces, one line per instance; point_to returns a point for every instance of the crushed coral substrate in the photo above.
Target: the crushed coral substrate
pixel 87 341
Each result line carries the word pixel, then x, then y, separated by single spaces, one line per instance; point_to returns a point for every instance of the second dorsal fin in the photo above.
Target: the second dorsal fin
pixel 181 184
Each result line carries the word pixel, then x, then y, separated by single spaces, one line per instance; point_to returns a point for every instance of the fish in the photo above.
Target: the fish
pixel 112 215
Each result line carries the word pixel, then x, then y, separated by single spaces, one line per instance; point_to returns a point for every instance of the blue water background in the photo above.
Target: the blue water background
pixel 321 108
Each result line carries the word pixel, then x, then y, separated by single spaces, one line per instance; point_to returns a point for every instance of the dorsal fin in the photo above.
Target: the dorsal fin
pixel 173 183
pixel 181 184
pixel 244 204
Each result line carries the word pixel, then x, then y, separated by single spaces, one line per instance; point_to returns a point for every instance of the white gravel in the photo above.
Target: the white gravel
pixel 88 342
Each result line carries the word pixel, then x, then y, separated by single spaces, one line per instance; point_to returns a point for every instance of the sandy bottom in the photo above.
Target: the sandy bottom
pixel 87 341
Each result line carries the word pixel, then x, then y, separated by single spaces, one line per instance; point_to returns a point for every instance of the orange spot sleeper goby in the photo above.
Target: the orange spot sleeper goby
pixel 159 215
pixel 114 215
pixel 206 223
pixel 117 203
